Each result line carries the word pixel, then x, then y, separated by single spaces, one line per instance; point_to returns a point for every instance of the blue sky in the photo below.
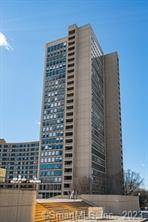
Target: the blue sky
pixel 119 25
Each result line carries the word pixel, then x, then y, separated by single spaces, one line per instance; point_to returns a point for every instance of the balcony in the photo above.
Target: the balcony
pixel 71 48
pixel 70 77
pixel 69 108
pixel 70 82
pixel 71 37
pixel 71 54
pixel 68 149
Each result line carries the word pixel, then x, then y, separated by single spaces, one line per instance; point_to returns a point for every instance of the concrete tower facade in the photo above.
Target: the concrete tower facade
pixel 80 139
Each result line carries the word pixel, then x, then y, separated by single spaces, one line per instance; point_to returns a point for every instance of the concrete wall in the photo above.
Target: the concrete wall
pixel 114 162
pixel 83 116
pixel 115 204
pixel 17 205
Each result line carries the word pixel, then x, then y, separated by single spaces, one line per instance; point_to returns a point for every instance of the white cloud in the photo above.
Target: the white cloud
pixel 4 42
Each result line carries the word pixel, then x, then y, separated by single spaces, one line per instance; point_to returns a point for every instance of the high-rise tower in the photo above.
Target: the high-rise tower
pixel 80 139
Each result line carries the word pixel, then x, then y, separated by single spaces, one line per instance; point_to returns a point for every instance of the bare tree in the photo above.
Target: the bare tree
pixel 85 185
pixel 82 185
pixel 143 198
pixel 132 182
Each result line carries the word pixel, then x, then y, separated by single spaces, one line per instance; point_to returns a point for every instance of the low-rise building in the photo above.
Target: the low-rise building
pixel 19 159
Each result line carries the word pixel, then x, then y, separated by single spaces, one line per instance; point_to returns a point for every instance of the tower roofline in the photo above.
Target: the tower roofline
pixel 59 40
